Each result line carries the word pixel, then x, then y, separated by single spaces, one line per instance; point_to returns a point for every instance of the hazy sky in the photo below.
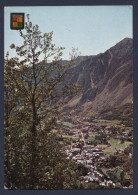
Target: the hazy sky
pixel 93 29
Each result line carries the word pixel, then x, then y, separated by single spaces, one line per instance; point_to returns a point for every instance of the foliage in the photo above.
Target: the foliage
pixel 118 175
pixel 99 139
pixel 121 167
pixel 33 85
pixel 91 185
pixel 122 113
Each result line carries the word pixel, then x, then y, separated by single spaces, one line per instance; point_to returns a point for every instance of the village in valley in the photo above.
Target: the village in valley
pixel 94 143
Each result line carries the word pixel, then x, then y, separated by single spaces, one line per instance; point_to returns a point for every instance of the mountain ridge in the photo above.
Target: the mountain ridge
pixel 105 79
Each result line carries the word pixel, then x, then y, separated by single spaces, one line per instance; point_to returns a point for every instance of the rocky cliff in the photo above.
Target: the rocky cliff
pixel 105 79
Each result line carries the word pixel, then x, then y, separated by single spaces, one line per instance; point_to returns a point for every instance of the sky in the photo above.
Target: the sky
pixel 91 29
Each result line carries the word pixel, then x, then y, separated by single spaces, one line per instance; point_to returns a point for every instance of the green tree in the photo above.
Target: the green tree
pixel 33 87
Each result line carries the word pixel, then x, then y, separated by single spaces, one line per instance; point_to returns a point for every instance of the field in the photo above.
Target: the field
pixel 68 124
pixel 115 143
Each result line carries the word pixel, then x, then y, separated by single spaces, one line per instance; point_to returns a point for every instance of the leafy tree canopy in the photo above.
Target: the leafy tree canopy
pixel 34 84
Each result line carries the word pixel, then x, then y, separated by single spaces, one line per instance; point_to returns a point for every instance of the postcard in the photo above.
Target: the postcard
pixel 68 97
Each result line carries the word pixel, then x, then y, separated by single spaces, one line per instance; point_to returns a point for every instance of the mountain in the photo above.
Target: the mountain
pixel 105 79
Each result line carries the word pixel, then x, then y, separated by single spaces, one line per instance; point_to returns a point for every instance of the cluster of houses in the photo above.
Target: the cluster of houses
pixel 81 151
pixel 78 129
pixel 94 127
pixel 90 157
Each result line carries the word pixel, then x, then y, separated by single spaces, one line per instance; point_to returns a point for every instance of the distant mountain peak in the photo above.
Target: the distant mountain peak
pixel 124 42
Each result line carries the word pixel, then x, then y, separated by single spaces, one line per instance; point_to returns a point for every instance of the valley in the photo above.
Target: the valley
pixel 94 142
